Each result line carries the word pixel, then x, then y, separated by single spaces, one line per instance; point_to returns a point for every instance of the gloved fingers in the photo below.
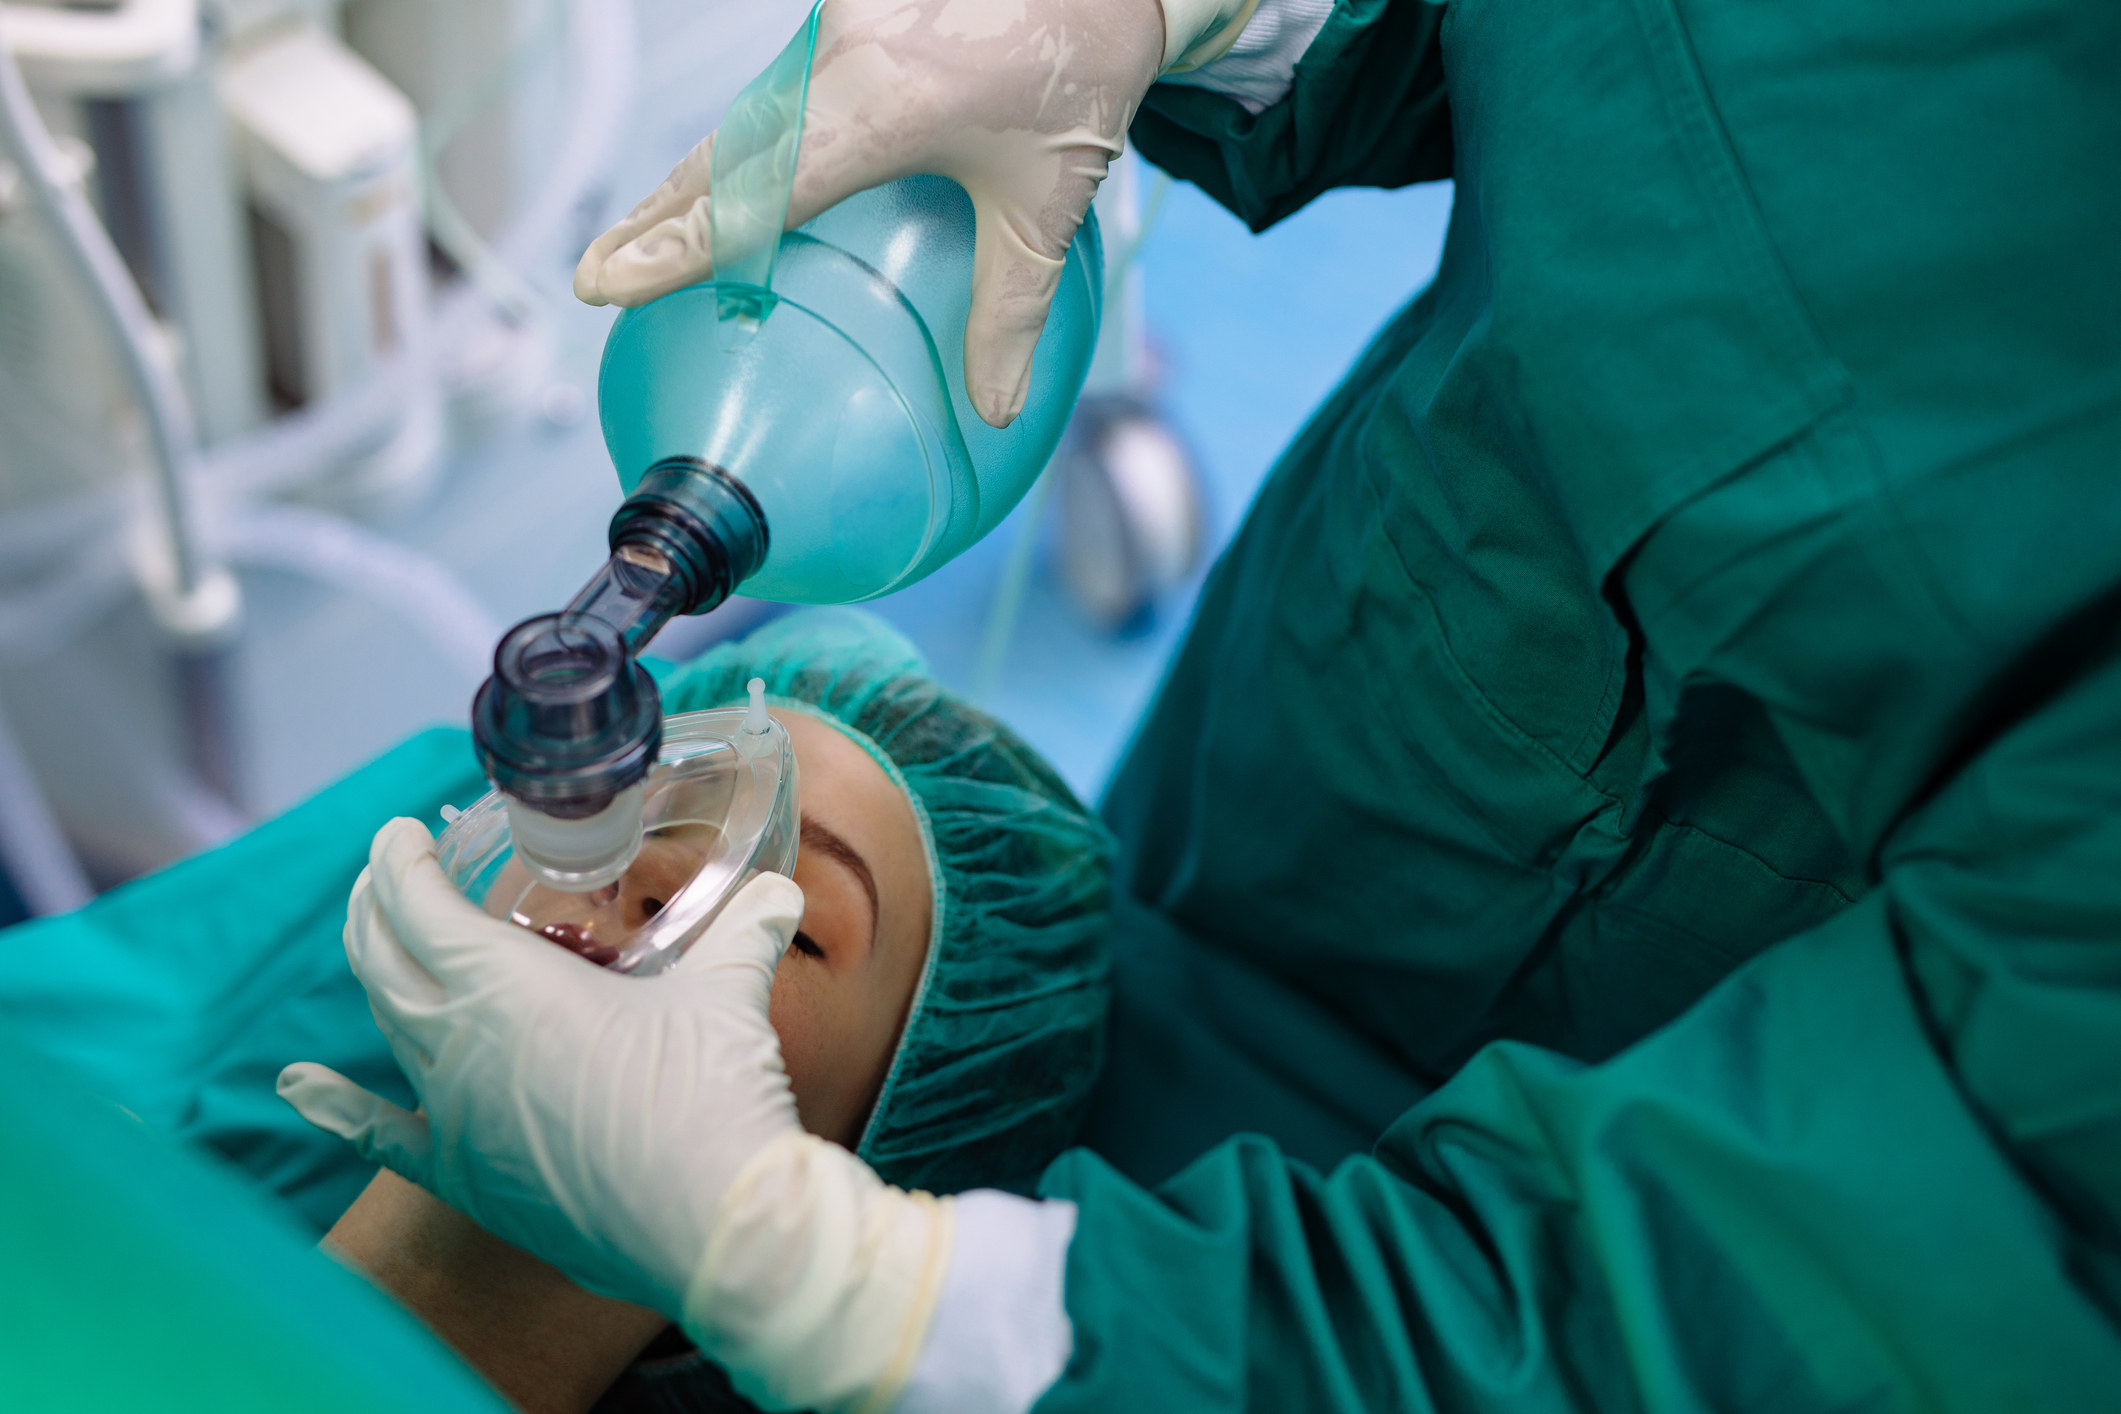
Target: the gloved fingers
pixel 363 885
pixel 380 1131
pixel 680 193
pixel 636 262
pixel 415 1061
pixel 406 1000
pixel 669 255
pixel 752 931
pixel 666 242
pixel 1018 253
pixel 857 131
pixel 435 926
pixel 842 153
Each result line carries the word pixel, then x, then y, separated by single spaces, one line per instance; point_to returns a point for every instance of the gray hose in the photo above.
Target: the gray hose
pixel 118 302
pixel 39 861
pixel 202 600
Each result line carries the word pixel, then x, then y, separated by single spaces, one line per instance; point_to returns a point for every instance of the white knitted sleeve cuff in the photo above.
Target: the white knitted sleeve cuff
pixel 1000 1336
pixel 1258 69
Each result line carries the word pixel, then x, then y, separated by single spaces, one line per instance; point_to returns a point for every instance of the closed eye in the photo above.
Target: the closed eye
pixel 807 945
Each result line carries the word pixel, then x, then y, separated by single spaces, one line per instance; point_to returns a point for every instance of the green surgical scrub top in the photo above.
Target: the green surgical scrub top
pixel 1632 839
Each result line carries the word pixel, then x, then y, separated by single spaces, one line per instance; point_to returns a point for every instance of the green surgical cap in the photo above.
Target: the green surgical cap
pixel 1006 1031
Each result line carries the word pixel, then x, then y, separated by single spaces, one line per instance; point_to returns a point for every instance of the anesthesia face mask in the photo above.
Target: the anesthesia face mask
pixel 719 806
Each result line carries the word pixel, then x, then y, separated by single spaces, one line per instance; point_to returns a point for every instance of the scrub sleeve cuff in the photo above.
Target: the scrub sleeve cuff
pixel 1259 69
pixel 1000 1336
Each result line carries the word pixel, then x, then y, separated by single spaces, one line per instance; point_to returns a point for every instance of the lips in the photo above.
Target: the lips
pixel 580 941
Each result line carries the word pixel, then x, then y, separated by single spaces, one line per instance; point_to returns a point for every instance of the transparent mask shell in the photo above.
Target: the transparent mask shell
pixel 720 807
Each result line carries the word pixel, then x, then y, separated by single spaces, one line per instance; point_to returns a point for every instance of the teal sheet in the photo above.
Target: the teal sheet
pixel 140 1272
pixel 181 995
pixel 141 1276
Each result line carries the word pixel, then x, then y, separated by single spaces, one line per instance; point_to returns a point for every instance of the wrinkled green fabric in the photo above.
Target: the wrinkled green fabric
pixel 141 1277
pixel 1635 825
pixel 1005 1033
pixel 138 1277
pixel 182 994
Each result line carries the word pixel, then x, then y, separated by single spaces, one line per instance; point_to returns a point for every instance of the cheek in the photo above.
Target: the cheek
pixel 811 1046
pixel 794 1014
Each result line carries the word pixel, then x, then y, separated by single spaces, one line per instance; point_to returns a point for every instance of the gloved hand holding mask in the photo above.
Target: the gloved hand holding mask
pixel 641 1133
pixel 571 1122
pixel 1021 102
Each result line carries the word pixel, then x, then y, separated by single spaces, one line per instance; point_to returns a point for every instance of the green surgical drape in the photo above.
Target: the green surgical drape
pixel 136 1275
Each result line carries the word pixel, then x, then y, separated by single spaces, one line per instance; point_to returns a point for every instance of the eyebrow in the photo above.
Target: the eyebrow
pixel 826 841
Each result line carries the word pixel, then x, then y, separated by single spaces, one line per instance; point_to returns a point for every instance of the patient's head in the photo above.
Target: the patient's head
pixel 964 1059
pixel 941 1011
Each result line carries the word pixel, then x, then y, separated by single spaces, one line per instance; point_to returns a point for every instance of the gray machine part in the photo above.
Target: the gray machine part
pixel 1131 515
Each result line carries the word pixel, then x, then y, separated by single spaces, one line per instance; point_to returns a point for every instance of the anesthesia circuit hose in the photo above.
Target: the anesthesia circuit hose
pixel 195 598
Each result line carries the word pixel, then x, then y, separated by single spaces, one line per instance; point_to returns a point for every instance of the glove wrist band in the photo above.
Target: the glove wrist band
pixel 1198 32
pixel 819 1280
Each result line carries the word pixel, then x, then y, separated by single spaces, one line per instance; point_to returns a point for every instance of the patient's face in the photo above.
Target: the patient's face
pixel 841 995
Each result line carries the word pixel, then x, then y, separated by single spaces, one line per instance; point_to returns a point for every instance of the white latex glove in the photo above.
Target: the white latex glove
pixel 637 1133
pixel 1021 102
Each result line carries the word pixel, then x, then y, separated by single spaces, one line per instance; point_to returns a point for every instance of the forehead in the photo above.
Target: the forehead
pixel 840 769
pixel 843 787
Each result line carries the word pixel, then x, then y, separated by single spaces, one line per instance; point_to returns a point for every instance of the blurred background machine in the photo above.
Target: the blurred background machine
pixel 1131 520
pixel 294 409
pixel 319 213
